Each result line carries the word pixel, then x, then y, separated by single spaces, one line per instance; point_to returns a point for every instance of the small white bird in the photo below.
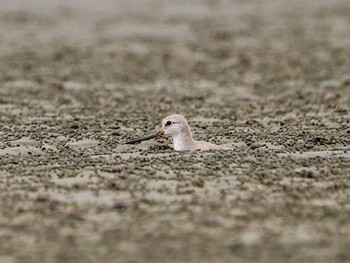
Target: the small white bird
pixel 176 126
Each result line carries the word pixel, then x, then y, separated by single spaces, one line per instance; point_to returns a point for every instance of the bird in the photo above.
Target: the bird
pixel 177 127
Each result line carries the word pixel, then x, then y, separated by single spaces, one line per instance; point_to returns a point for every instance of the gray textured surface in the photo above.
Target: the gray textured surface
pixel 77 79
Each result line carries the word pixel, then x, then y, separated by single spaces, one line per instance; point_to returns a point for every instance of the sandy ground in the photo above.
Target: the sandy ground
pixel 77 78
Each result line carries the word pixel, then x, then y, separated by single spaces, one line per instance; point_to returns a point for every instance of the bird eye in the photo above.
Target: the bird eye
pixel 168 123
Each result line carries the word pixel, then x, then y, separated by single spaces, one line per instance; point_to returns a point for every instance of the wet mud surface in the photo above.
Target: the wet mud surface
pixel 270 78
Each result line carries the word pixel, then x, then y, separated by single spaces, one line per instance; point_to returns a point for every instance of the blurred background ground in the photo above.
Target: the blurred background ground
pixel 79 77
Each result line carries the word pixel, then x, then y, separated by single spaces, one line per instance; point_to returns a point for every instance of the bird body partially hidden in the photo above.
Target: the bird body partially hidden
pixel 176 126
pixel 182 135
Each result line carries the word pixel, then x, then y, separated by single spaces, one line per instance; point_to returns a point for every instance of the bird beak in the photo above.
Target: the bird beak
pixel 148 137
pixel 160 133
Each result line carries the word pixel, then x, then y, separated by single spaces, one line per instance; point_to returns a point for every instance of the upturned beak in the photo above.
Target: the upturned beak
pixel 147 137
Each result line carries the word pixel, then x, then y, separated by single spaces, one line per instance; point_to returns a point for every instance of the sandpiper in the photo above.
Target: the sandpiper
pixel 176 126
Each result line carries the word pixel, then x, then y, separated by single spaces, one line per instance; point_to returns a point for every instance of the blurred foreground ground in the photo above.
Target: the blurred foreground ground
pixel 79 77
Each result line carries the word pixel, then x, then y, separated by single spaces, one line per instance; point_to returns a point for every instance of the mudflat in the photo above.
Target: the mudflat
pixel 271 78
